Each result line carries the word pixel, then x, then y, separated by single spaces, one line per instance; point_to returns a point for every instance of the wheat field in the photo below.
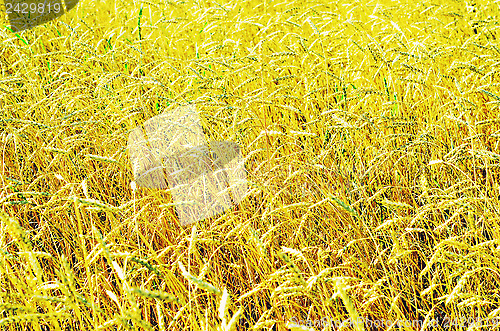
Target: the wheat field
pixel 370 134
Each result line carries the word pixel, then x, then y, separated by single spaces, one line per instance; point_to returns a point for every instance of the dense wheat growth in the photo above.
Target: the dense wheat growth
pixel 370 133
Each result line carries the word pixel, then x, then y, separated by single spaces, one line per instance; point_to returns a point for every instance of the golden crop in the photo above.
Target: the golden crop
pixel 370 132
